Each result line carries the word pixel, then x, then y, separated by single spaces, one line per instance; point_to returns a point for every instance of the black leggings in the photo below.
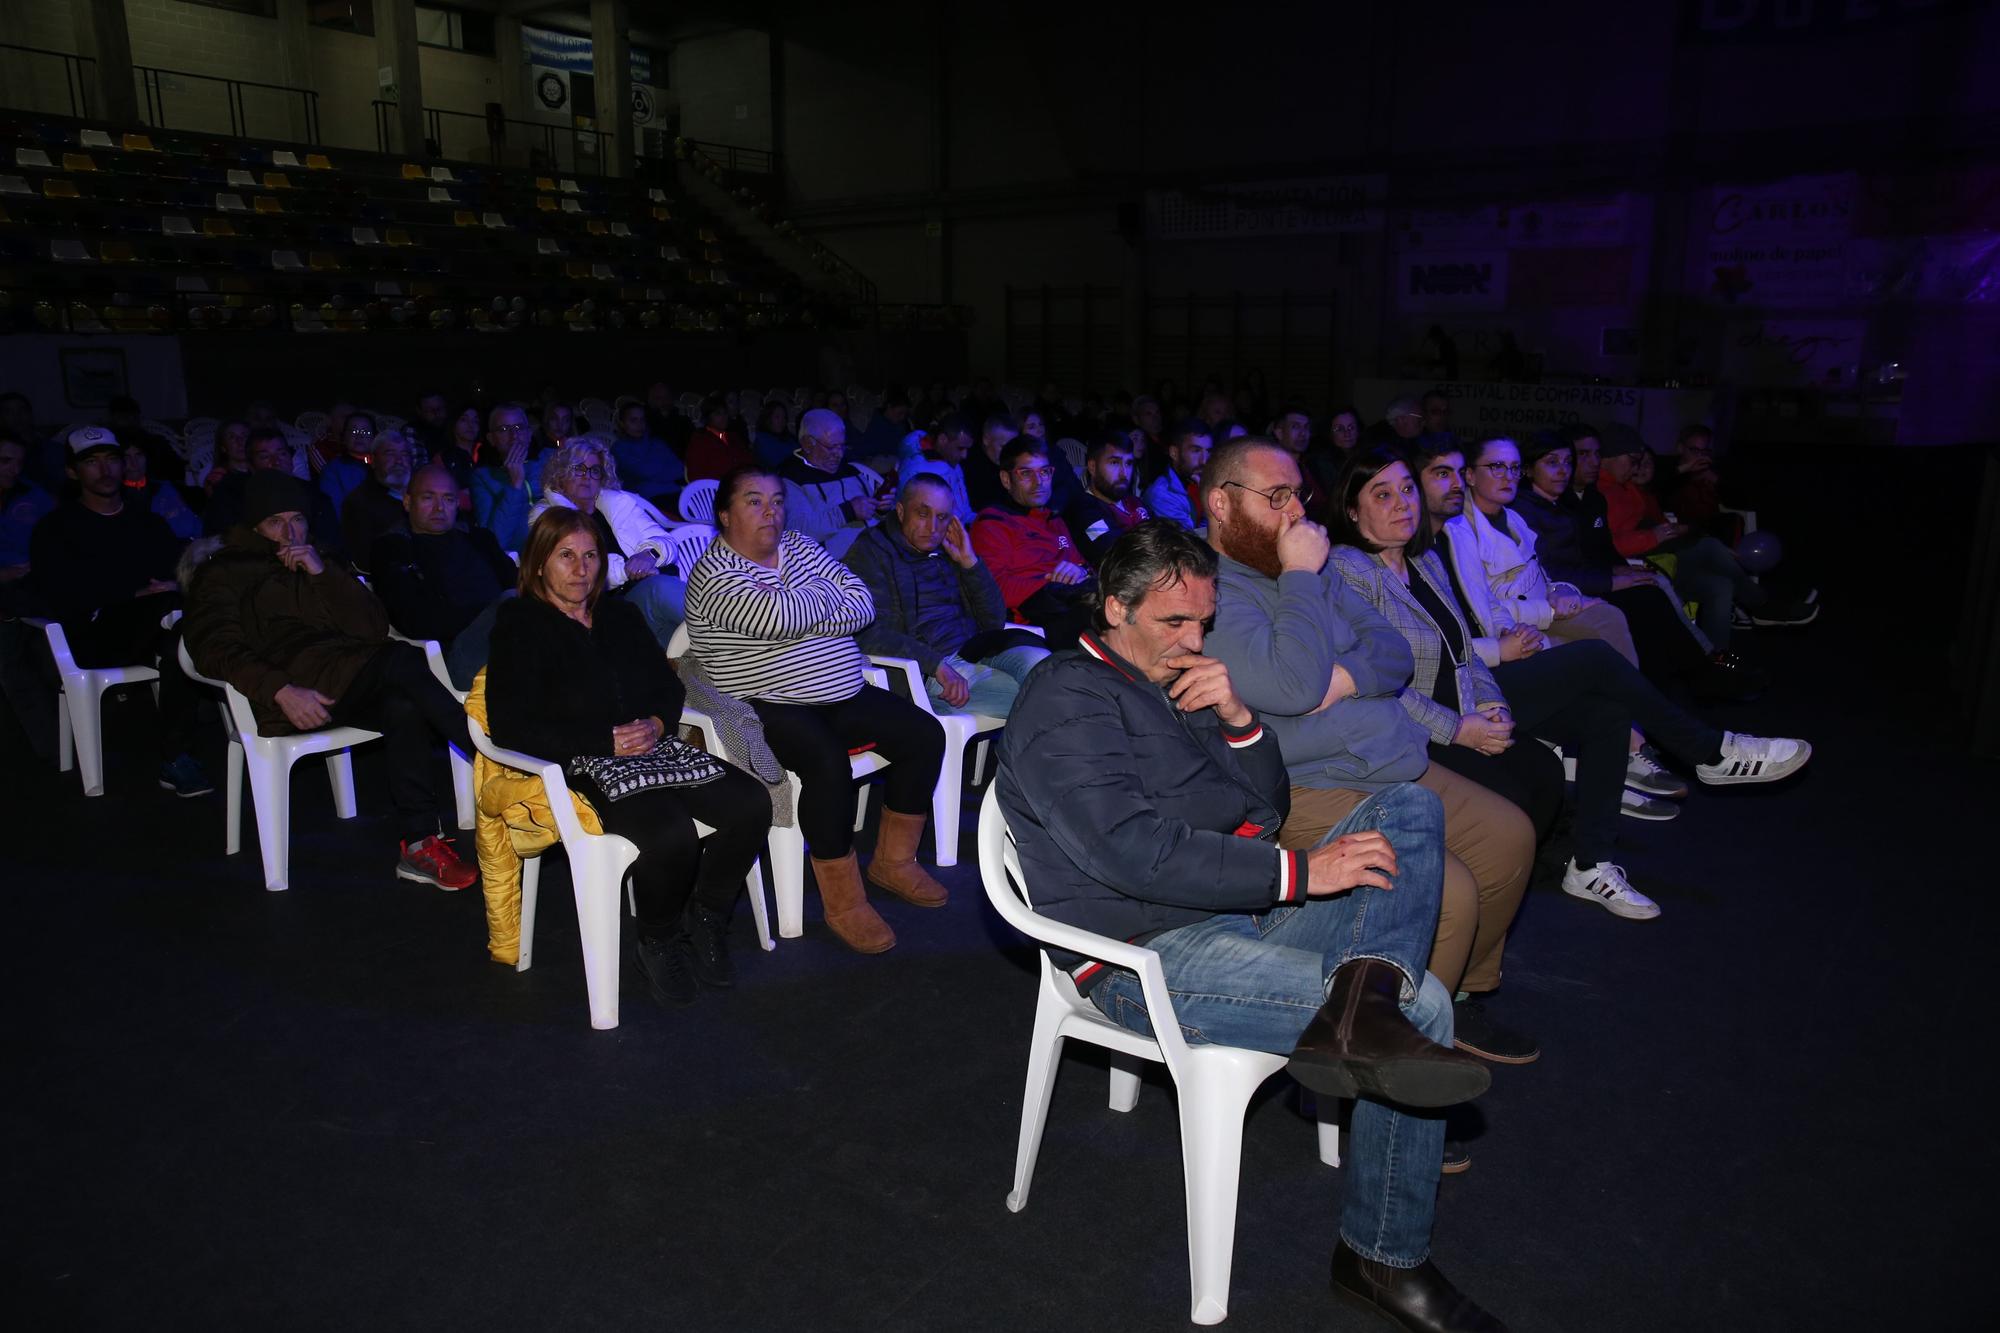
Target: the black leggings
pixel 397 695
pixel 673 863
pixel 813 740
pixel 1586 698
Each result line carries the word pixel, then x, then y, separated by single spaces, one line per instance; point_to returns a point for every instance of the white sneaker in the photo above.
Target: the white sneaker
pixel 1754 759
pixel 1638 805
pixel 1606 884
pixel 1643 773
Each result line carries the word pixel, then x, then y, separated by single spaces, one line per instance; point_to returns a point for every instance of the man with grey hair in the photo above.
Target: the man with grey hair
pixel 826 497
pixel 938 604
pixel 1403 420
pixel 375 507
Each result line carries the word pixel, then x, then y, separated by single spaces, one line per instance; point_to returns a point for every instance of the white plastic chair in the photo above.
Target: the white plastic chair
pixel 269 760
pixel 80 712
pixel 1214 1083
pixel 598 863
pixel 697 503
pixel 688 541
pixel 960 730
pixel 787 845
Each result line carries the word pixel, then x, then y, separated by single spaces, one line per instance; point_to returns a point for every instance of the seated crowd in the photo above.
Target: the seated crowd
pixel 1253 677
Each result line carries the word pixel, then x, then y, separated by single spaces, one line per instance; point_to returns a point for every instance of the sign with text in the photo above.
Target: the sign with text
pixel 1469 281
pixel 1781 245
pixel 1776 352
pixel 1322 207
pixel 1563 224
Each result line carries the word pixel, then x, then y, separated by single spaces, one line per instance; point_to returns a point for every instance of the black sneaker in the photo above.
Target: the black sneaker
pixel 1790 615
pixel 668 963
pixel 1475 1032
pixel 182 776
pixel 708 944
pixel 1457 1161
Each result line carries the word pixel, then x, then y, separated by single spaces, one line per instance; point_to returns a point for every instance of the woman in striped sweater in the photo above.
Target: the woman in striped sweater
pixel 772 616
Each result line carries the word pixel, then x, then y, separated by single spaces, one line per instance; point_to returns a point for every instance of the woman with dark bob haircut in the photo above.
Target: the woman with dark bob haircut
pixel 772 617
pixel 1582 696
pixel 577 677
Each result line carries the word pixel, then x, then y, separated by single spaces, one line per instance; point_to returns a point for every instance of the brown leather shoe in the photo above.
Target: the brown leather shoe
pixel 1420 1299
pixel 895 866
pixel 1360 1044
pixel 848 914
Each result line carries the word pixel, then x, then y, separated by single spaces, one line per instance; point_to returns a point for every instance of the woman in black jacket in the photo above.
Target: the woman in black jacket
pixel 578 677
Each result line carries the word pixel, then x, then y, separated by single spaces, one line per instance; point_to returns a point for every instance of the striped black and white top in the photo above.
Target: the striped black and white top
pixel 784 635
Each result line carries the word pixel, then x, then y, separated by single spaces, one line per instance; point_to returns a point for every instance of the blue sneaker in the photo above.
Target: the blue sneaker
pixel 182 776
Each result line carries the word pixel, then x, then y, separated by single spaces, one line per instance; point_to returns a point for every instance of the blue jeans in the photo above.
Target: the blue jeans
pixel 662 600
pixel 1256 979
pixel 992 683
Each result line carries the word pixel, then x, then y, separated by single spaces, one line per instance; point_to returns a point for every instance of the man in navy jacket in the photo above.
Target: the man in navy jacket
pixel 1145 799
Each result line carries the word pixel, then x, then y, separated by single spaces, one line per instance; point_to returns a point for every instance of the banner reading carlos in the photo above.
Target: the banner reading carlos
pixel 1776 246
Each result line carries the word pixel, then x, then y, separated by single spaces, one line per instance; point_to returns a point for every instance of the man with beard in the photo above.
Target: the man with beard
pixel 375 507
pixel 1175 492
pixel 1323 670
pixel 1107 509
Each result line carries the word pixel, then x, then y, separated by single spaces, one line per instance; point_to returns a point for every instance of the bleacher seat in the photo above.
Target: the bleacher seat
pixel 284 158
pixel 267 204
pixel 79 162
pixel 231 203
pixel 366 236
pixel 57 187
pixel 117 252
pixel 569 186
pixel 571 206
pixel 494 221
pixel 440 195
pixel 545 203
pixel 464 218
pixel 33 157
pixel 69 250
pixel 398 237
pixel 277 180
pixel 90 138
pixel 412 172
pixel 138 143
pixel 548 245
pixel 318 162
pixel 238 177
pixel 217 227
pixel 620 229
pixel 544 183
pixel 15 185
pixel 442 174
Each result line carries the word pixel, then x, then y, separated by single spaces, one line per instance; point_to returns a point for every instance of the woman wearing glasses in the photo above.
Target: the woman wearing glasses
pixel 1491 546
pixel 583 476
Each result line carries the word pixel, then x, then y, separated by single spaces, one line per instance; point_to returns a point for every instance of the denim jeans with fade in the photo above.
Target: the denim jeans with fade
pixel 1256 979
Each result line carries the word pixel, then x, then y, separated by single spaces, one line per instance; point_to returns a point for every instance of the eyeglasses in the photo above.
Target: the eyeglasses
pixel 1498 470
pixel 594 473
pixel 511 428
pixel 1279 496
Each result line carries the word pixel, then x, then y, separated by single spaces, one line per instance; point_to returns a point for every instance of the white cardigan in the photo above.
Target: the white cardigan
pixel 1502 561
pixel 632 521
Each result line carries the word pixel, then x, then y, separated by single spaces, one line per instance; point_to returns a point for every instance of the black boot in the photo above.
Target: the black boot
pixel 1420 1299
pixel 1360 1044
pixel 668 963
pixel 708 938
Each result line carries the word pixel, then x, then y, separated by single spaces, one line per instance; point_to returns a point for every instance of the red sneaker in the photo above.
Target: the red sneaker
pixel 432 861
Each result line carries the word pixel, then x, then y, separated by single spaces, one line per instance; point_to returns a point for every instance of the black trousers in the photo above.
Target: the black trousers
pixel 673 863
pixel 397 695
pixel 129 634
pixel 1060 610
pixel 1668 649
pixel 813 740
pixel 1527 773
pixel 1586 698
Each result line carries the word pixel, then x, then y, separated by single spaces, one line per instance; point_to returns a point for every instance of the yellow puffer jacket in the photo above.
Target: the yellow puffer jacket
pixel 514 823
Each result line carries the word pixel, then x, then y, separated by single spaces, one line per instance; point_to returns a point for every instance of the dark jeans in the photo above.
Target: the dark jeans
pixel 993 642
pixel 129 634
pixel 1707 572
pixel 1586 698
pixel 1528 774
pixel 673 863
pixel 1667 649
pixel 397 695
pixel 813 740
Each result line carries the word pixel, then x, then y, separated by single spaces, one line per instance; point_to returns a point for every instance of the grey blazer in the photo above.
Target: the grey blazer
pixel 1392 598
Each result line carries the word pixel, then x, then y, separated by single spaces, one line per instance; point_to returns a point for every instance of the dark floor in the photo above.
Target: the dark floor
pixel 327 1109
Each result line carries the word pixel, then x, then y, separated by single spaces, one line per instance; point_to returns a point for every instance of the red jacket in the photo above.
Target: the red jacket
pixel 1631 513
pixel 709 455
pixel 1022 547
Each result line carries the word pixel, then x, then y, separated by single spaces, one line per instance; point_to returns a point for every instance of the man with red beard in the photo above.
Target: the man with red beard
pixel 1323 670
